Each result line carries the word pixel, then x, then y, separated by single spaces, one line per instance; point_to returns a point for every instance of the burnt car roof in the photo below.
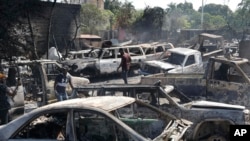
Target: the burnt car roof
pixel 107 103
pixel 107 85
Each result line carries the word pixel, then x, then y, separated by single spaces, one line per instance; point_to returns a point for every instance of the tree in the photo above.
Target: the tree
pixel 94 19
pixel 125 15
pixel 240 22
pixel 112 5
pixel 177 17
pixel 186 7
pixel 150 22
pixel 217 9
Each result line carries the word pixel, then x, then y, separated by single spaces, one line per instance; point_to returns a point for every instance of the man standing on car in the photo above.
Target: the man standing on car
pixel 61 83
pixel 4 103
pixel 125 64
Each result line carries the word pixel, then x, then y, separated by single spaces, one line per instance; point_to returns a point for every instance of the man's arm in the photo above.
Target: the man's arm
pixel 129 58
pixel 11 92
pixel 56 81
pixel 70 80
pixel 70 83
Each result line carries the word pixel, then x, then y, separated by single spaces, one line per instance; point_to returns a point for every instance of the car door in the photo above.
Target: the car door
pixel 190 65
pixel 137 56
pixel 109 62
pixel 150 53
pixel 226 84
pixel 97 126
pixel 51 71
pixel 159 50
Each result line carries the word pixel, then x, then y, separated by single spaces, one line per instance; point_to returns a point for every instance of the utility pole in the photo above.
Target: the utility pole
pixel 202 6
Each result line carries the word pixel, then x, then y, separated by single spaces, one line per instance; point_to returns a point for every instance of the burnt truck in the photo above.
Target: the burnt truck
pixel 179 60
pixel 210 120
pixel 226 79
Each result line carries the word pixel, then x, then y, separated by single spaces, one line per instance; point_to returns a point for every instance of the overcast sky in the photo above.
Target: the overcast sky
pixel 141 4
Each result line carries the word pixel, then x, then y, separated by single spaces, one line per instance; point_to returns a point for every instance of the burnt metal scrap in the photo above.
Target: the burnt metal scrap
pixel 226 79
pixel 35 80
pixel 211 120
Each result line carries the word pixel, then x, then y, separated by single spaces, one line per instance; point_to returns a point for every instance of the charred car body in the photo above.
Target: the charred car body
pixel 179 60
pixel 154 51
pixel 226 80
pixel 106 62
pixel 37 79
pixel 96 119
pixel 211 120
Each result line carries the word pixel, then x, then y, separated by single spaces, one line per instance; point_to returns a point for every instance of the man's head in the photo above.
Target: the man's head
pixel 121 51
pixel 65 70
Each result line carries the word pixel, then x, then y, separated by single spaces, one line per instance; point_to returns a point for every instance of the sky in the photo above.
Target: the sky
pixel 141 4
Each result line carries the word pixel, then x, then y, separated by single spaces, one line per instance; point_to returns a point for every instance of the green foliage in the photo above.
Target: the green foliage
pixel 213 22
pixel 216 9
pixel 94 19
pixel 112 5
pixel 243 14
pixel 124 17
pixel 187 8
pixel 185 13
pixel 151 20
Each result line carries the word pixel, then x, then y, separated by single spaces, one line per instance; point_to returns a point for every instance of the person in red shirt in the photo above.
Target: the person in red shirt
pixel 125 64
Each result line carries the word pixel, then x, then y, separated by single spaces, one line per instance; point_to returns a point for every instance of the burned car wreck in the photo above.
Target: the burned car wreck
pixel 103 118
pixel 211 120
pixel 106 61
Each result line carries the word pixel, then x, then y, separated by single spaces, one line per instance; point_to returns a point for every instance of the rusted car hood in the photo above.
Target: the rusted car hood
pixel 161 64
pixel 210 104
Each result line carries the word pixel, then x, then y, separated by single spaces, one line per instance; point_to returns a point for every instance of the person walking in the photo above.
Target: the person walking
pixel 4 103
pixel 61 83
pixel 125 64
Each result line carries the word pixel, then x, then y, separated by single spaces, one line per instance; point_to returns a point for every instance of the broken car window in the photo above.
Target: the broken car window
pixel 142 119
pixel 92 126
pixel 46 126
pixel 176 59
pixel 190 60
